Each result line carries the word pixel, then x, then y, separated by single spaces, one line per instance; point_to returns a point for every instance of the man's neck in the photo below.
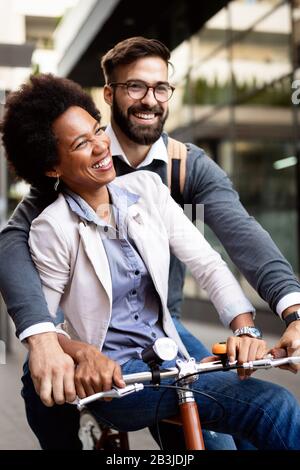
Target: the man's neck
pixel 135 153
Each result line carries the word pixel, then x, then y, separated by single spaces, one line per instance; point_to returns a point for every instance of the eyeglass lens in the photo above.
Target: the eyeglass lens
pixel 138 90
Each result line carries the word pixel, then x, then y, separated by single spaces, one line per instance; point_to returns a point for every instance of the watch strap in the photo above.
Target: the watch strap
pixel 251 331
pixel 292 317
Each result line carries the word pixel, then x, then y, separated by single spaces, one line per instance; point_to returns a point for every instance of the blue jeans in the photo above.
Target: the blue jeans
pixel 56 427
pixel 263 413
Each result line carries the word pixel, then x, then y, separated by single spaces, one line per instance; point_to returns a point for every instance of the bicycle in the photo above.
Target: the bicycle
pixel 185 372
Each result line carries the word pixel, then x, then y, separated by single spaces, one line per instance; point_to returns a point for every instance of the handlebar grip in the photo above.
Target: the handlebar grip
pixel 219 349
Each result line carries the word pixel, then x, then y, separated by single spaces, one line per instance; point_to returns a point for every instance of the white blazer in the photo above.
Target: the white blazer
pixel 73 266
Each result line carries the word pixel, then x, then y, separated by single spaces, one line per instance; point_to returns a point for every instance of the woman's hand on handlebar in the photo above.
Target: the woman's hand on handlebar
pixel 245 349
pixel 95 372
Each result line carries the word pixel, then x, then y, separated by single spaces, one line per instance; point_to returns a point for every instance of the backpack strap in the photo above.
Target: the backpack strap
pixel 177 152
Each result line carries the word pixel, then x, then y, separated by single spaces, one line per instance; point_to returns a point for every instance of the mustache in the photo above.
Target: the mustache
pixel 140 109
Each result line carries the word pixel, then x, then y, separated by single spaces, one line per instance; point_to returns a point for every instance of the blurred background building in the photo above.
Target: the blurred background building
pixel 236 66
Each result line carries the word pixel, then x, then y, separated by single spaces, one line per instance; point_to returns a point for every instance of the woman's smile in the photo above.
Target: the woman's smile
pixel 104 164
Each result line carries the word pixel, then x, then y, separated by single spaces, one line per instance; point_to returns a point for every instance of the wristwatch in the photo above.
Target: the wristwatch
pixel 252 331
pixel 292 317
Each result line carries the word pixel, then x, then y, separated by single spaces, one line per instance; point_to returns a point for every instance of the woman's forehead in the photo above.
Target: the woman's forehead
pixel 73 121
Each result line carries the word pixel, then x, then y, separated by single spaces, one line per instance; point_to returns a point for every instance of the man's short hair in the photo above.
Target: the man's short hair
pixel 130 50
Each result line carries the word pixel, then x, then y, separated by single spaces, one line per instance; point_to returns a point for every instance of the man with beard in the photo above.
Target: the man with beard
pixel 137 89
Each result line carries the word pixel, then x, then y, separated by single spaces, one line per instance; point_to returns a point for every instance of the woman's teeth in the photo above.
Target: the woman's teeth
pixel 103 163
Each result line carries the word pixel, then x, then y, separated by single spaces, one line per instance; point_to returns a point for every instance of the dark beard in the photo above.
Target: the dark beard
pixel 143 134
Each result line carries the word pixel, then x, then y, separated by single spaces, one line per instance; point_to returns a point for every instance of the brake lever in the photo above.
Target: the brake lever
pixel 115 392
pixel 267 363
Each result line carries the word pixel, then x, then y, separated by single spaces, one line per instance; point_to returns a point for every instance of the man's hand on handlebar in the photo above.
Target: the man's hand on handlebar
pixel 239 349
pixel 52 370
pixel 290 341
pixel 245 349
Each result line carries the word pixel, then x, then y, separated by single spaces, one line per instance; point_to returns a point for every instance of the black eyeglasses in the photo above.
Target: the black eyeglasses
pixel 138 89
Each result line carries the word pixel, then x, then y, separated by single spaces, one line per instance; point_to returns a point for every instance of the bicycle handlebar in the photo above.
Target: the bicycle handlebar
pixel 181 371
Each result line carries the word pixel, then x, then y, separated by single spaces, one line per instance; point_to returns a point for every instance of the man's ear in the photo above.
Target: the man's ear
pixel 108 95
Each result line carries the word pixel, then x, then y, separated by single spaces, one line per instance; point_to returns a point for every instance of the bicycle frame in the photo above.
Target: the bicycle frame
pixel 186 372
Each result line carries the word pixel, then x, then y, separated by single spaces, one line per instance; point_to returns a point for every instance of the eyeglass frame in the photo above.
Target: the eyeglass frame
pixel 114 84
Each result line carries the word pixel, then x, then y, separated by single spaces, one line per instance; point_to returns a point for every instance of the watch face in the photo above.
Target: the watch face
pixel 255 332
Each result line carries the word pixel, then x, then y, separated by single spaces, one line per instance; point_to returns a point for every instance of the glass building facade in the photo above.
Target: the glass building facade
pixel 236 81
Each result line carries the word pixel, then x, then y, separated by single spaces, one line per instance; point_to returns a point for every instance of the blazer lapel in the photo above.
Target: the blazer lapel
pixel 140 231
pixel 95 252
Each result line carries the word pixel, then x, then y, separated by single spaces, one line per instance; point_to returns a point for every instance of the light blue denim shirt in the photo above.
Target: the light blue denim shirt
pixel 136 309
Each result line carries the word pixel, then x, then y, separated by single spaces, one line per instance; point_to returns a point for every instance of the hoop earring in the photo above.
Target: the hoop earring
pixel 56 183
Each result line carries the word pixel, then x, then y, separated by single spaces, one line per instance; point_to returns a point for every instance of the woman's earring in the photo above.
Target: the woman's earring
pixel 56 183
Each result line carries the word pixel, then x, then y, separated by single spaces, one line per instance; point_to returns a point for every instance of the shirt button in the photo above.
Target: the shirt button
pixel 137 272
pixel 133 292
pixel 105 228
pixel 136 317
pixel 153 334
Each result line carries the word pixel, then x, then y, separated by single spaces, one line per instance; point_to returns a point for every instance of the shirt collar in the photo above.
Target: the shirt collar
pixel 121 200
pixel 158 150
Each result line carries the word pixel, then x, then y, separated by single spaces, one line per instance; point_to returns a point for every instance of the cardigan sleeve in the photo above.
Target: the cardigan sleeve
pixel 249 246
pixel 205 264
